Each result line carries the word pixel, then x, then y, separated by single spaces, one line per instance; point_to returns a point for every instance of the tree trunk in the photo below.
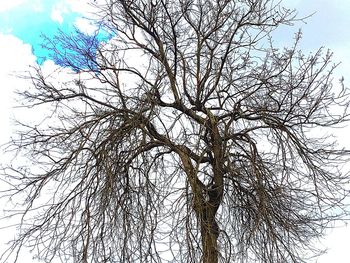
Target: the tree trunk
pixel 210 236
pixel 206 202
pixel 209 232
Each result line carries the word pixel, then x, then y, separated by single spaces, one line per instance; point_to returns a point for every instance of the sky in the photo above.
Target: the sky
pixel 22 23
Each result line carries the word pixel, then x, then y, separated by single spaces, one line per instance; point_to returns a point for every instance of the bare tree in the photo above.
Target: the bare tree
pixel 206 147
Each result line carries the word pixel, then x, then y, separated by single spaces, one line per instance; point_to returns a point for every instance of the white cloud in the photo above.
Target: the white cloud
pixel 56 15
pixel 37 5
pixel 80 6
pixel 85 25
pixel 15 59
pixel 337 243
pixel 6 5
pixel 15 55
pixel 58 10
pixel 62 7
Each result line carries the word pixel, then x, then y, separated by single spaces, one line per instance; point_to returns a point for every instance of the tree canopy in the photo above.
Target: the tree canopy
pixel 186 136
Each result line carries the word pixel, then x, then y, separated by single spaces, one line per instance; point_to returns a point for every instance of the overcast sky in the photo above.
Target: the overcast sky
pixel 23 21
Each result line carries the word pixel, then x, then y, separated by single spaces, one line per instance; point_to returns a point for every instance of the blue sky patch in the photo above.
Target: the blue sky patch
pixel 31 20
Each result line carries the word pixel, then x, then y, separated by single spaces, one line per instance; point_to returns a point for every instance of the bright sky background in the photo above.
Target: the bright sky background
pixel 23 21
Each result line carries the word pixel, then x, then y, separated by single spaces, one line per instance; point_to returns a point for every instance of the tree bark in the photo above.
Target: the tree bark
pixel 206 214
pixel 210 234
pixel 206 201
